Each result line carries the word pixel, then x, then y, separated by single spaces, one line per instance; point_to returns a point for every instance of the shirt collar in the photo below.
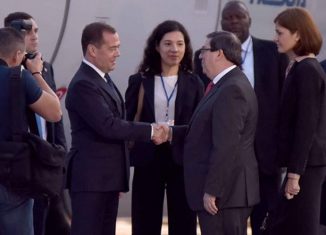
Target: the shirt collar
pixel 102 74
pixel 221 74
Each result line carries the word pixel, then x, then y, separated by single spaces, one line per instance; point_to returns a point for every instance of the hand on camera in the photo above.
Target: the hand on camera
pixel 35 64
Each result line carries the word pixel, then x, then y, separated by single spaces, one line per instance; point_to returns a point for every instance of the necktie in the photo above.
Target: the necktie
pixel 111 85
pixel 209 87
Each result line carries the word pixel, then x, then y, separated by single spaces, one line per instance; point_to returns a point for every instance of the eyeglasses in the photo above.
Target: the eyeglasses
pixel 203 49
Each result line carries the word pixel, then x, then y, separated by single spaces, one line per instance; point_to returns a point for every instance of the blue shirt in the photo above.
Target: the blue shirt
pixel 32 93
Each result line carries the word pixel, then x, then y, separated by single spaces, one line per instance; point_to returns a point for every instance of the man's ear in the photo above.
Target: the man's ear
pixel 16 58
pixel 91 49
pixel 220 53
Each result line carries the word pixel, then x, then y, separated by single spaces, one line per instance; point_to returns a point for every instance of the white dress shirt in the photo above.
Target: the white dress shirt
pixel 248 60
pixel 221 74
pixel 160 99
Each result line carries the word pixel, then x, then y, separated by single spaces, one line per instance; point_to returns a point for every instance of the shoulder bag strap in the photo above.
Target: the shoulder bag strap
pixel 17 99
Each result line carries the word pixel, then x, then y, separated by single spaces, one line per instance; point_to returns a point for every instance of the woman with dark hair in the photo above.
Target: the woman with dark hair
pixel 163 91
pixel 302 140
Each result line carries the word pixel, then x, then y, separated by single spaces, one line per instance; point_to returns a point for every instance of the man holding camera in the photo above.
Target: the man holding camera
pixel 16 209
pixel 49 214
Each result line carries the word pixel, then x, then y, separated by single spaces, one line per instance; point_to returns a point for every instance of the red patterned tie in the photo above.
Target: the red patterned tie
pixel 209 87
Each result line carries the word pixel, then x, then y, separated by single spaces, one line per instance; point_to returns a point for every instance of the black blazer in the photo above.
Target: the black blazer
pixel 219 156
pixel 269 72
pixel 99 130
pixel 323 64
pixel 302 140
pixel 55 131
pixel 189 93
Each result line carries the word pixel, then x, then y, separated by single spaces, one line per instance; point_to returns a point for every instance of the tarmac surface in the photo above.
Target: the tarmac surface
pixel 124 227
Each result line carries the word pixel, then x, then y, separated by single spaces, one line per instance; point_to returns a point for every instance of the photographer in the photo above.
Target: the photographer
pixel 16 216
pixel 49 213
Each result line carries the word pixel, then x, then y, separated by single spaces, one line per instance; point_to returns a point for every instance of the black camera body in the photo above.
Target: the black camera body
pixel 21 25
pixel 28 56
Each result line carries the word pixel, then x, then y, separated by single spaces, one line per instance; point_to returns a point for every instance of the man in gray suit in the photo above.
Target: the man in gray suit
pixel 265 69
pixel 221 172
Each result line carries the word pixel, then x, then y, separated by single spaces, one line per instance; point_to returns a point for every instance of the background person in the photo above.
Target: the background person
pixel 50 217
pixel 16 210
pixel 303 121
pixel 171 94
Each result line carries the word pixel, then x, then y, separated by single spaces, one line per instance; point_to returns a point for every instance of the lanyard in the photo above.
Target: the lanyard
pixel 168 97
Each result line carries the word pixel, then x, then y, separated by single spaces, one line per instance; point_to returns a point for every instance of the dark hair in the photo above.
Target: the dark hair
pixel 229 43
pixel 151 62
pixel 299 20
pixel 93 34
pixel 11 41
pixel 236 2
pixel 16 16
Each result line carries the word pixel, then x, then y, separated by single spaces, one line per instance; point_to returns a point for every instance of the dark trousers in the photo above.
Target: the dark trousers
pixel 323 205
pixel 148 189
pixel 50 216
pixel 231 221
pixel 94 213
pixel 269 186
pixel 303 211
pixel 40 211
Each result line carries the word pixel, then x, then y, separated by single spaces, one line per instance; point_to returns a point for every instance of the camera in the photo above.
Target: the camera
pixel 21 25
pixel 28 56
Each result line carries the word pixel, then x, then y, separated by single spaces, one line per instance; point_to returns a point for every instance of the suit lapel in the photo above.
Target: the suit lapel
pixel 149 88
pixel 212 93
pixel 148 83
pixel 179 102
pixel 258 68
pixel 105 87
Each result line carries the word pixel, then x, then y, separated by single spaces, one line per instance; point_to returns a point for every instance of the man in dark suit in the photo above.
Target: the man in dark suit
pixel 49 214
pixel 323 64
pixel 265 69
pixel 99 167
pixel 221 171
pixel 323 202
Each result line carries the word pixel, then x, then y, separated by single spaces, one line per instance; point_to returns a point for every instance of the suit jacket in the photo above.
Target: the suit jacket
pixel 302 139
pixel 269 72
pixel 189 93
pixel 323 64
pixel 99 130
pixel 54 130
pixel 219 156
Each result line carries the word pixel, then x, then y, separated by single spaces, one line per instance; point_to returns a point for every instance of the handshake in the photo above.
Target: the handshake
pixel 161 133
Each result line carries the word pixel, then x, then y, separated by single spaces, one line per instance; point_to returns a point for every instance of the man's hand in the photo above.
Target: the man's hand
pixel 36 64
pixel 292 187
pixel 161 133
pixel 210 204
